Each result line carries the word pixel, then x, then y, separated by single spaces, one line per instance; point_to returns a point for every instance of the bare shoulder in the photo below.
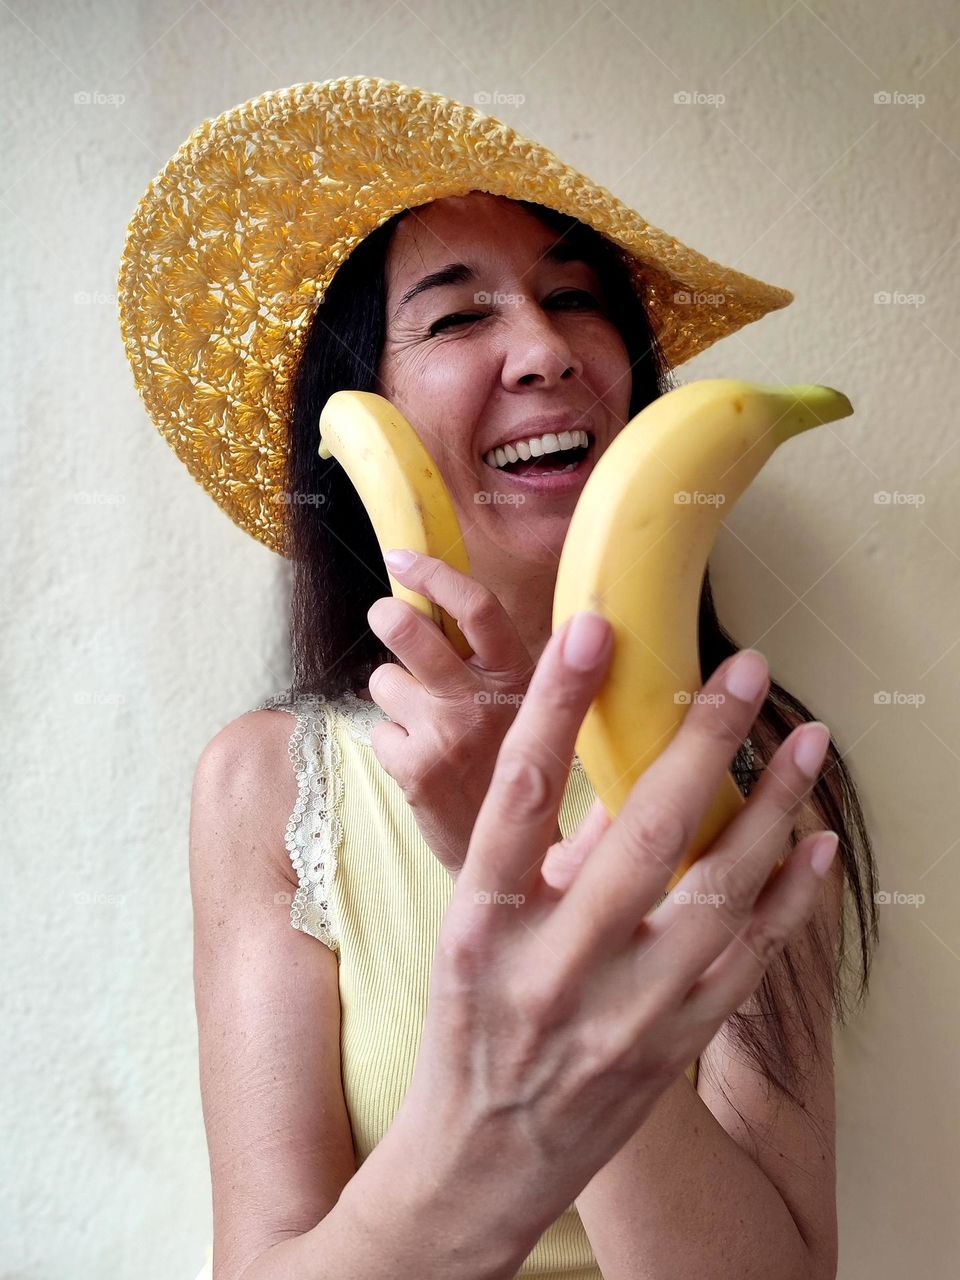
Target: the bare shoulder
pixel 246 765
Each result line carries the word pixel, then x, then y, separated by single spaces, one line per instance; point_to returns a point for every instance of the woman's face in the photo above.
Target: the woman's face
pixel 535 339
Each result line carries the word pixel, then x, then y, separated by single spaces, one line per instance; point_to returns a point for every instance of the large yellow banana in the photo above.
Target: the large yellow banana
pixel 636 550
pixel 401 488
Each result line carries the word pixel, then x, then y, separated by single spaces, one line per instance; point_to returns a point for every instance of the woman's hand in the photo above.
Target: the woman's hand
pixel 558 1016
pixel 450 714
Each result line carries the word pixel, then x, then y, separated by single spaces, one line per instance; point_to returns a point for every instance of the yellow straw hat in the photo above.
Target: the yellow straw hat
pixel 234 242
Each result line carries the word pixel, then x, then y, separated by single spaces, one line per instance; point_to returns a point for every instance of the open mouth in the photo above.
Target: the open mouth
pixel 557 463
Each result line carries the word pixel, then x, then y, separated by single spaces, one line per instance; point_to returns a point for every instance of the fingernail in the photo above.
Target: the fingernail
pixel 811 746
pixel 585 640
pixel 400 558
pixel 746 675
pixel 823 853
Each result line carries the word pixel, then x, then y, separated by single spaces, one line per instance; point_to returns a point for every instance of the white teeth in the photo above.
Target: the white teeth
pixel 535 447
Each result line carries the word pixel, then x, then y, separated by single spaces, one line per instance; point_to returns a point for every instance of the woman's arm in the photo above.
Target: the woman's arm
pixel 287 1197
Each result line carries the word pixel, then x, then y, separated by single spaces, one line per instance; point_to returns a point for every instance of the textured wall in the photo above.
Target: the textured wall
pixel 139 620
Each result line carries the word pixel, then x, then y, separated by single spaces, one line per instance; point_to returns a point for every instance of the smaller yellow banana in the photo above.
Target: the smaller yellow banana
pixel 400 487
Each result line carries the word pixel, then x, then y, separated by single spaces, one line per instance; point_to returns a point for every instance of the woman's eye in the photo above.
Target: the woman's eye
pixel 459 317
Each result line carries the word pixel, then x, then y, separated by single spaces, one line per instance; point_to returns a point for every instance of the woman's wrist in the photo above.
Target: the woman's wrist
pixel 453 1191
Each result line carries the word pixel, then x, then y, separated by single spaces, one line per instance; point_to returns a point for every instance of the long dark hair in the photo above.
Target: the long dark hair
pixel 338 572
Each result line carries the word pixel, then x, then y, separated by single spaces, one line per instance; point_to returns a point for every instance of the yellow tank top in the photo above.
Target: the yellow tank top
pixel 371 889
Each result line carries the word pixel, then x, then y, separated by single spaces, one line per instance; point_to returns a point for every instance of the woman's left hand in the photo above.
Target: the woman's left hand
pixel 450 713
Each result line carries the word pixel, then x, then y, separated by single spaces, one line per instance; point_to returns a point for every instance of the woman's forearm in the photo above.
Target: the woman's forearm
pixel 399 1216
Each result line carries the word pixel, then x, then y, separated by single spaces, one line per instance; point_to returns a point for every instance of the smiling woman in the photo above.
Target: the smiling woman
pixel 464 391
pixel 572 1095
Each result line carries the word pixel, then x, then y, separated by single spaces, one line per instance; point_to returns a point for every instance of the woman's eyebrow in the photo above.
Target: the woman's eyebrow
pixel 460 272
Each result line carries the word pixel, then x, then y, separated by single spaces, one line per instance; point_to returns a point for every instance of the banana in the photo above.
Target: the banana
pixel 401 488
pixel 636 551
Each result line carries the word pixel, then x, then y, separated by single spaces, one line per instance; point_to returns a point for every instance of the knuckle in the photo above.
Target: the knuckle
pixel 524 786
pixel 656 831
pixel 482 608
pixel 729 886
pixel 768 938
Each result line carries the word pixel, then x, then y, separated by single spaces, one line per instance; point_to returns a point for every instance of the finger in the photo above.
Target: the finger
pixel 516 821
pixel 785 905
pixel 563 860
pixel 717 895
pixel 391 745
pixel 629 870
pixel 399 694
pixel 496 643
pixel 420 645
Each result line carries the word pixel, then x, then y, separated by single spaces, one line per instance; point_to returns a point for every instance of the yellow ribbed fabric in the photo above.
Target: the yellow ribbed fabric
pixel 379 900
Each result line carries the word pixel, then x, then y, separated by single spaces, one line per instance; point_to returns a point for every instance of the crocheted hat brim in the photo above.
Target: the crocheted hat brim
pixel 235 241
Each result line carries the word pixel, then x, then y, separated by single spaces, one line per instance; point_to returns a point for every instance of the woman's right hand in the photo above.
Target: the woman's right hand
pixel 559 1013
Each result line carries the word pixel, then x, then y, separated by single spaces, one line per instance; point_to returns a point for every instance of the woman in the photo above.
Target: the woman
pixel 536 1117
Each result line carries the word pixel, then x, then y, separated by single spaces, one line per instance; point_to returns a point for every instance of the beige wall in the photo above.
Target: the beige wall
pixel 140 619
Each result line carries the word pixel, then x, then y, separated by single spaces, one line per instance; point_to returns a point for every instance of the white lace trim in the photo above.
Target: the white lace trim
pixel 314 830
